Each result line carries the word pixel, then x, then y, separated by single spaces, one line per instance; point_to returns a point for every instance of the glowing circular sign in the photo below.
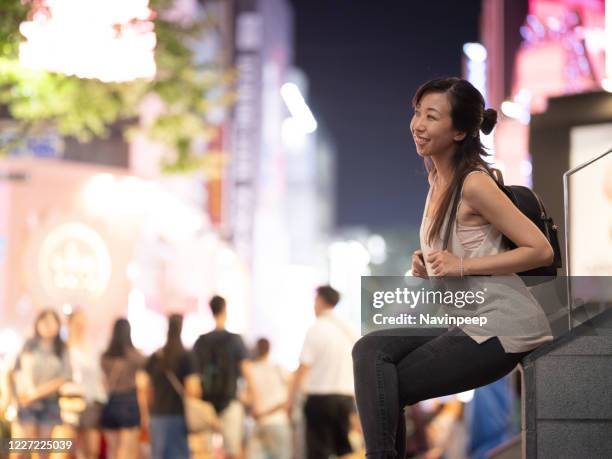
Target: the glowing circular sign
pixel 74 263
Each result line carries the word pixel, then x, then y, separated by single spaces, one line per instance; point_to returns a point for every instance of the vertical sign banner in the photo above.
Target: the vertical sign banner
pixel 246 128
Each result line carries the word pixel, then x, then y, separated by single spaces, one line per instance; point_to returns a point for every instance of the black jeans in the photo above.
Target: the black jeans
pixel 396 368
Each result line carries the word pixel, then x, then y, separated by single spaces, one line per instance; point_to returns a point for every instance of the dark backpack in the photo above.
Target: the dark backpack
pixel 530 204
pixel 218 372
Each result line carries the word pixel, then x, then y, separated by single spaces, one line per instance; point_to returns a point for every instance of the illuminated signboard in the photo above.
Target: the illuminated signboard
pixel 74 263
pixel 246 133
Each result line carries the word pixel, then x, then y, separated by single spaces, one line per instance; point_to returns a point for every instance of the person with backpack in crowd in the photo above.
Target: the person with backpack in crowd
pixel 268 398
pixel 326 367
pixel 395 368
pixel 126 411
pixel 222 359
pixel 172 372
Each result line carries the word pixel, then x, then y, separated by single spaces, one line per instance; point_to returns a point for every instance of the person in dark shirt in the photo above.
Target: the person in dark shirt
pixel 221 359
pixel 170 364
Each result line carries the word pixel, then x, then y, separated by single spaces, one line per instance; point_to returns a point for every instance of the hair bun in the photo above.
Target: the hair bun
pixel 489 119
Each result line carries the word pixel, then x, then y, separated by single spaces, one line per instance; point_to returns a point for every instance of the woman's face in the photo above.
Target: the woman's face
pixel 432 126
pixel 47 327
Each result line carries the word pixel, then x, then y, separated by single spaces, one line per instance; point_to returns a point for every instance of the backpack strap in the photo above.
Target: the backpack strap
pixel 451 217
pixel 457 197
pixel 171 377
pixel 175 383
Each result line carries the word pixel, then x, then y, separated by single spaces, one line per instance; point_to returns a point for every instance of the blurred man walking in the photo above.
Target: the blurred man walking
pixel 222 358
pixel 326 358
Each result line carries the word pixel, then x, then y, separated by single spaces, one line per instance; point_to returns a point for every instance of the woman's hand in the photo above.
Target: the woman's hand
pixel 26 399
pixel 47 389
pixel 418 266
pixel 444 263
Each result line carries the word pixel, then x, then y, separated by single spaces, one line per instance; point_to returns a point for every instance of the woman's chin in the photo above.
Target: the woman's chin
pixel 422 152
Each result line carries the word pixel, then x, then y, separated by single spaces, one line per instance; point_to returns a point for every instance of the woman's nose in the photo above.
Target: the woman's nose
pixel 417 126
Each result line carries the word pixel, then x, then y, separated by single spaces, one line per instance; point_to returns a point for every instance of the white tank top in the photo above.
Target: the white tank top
pixel 513 314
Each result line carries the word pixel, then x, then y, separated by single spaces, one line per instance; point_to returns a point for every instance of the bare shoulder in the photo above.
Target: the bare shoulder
pixel 478 185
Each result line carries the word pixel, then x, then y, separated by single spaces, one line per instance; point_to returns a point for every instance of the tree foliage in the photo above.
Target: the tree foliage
pixel 86 108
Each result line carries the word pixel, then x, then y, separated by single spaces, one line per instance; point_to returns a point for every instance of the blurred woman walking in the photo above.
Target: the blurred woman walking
pixel 126 408
pixel 171 366
pixel 41 369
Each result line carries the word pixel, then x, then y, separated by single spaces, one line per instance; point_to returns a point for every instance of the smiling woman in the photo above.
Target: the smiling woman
pixel 445 120
pixel 399 367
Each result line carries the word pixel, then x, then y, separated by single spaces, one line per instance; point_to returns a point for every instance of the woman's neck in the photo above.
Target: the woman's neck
pixel 444 169
pixel 46 343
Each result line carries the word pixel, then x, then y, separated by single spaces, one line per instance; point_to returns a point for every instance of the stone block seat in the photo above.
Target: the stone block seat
pixel 567 394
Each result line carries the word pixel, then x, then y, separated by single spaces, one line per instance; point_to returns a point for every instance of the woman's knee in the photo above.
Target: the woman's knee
pixel 367 348
pixel 359 348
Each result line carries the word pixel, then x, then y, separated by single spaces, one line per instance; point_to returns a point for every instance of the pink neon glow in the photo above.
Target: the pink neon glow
pixel 563 50
pixel 111 40
pixel 608 39
pixel 562 53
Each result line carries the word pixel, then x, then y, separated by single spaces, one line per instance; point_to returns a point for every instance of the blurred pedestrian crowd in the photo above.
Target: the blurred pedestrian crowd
pixel 121 404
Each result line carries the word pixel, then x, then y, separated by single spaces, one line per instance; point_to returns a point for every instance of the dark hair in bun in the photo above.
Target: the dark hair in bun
pixel 489 119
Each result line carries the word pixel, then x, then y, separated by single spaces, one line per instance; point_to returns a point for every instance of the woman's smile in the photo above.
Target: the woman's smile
pixel 420 140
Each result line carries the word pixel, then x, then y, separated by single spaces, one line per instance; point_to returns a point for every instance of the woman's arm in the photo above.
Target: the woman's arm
pixel 147 388
pixel 24 383
pixel 532 250
pixel 193 386
pixel 49 388
pixel 27 391
pixel 142 394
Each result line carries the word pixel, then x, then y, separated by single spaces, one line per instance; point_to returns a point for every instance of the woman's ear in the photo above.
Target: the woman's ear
pixel 459 136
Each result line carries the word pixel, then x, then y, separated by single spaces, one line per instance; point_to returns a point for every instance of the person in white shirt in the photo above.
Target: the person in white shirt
pixel 268 394
pixel 326 359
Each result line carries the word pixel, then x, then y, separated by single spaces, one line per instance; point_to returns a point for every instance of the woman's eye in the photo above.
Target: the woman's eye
pixel 429 117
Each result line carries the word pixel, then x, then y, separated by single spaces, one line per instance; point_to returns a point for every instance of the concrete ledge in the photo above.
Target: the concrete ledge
pixel 586 345
pixel 566 402
pixel 573 440
pixel 574 387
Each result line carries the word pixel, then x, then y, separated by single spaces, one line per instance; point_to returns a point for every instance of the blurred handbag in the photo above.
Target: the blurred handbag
pixel 200 415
